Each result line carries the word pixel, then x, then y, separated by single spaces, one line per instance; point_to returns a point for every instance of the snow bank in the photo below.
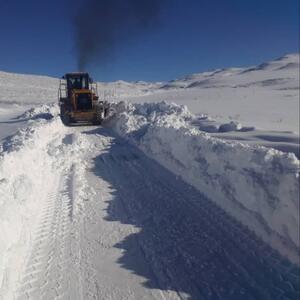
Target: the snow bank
pixel 31 163
pixel 258 186
pixel 23 168
pixel 44 111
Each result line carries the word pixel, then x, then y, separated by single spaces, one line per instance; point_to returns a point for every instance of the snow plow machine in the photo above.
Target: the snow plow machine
pixel 79 101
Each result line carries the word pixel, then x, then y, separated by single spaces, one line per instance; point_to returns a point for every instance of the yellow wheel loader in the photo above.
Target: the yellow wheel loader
pixel 79 102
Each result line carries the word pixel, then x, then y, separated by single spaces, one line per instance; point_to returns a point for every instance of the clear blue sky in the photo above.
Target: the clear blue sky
pixel 37 37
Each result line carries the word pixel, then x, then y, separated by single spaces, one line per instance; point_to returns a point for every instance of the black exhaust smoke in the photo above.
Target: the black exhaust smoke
pixel 102 25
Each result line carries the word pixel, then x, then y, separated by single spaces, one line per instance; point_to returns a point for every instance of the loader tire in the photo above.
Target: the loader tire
pixel 99 115
pixel 65 118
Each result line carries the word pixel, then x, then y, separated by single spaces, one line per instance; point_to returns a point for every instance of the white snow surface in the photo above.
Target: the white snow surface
pixel 209 150
pixel 258 186
pixel 264 96
pixel 60 191
pixel 29 167
pixel 27 89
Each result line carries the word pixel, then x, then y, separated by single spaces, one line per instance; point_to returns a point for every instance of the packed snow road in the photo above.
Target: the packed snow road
pixel 114 224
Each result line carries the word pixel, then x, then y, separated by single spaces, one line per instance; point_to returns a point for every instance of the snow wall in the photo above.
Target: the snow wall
pixel 31 163
pixel 256 185
pixel 24 181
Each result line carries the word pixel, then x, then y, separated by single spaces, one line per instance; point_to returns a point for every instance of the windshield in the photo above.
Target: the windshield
pixel 78 82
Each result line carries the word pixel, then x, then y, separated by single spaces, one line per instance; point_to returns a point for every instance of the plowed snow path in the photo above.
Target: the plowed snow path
pixel 119 226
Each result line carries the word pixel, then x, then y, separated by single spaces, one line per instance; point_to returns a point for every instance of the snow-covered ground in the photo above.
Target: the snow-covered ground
pixel 266 96
pixel 162 202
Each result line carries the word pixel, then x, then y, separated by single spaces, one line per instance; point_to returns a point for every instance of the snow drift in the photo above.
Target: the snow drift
pixel 31 163
pixel 23 168
pixel 256 185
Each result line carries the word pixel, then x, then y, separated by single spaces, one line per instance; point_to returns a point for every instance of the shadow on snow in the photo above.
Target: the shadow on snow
pixel 190 246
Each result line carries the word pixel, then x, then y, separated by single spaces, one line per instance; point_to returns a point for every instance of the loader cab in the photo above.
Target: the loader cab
pixel 77 81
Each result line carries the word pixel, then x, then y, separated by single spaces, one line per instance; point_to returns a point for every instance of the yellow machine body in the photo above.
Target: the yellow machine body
pixel 79 101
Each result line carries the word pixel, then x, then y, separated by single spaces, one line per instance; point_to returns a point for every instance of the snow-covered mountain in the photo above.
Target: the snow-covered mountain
pixel 279 74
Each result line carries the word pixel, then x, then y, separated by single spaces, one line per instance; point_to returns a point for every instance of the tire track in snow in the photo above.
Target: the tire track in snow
pixel 104 278
pixel 248 257
pixel 51 271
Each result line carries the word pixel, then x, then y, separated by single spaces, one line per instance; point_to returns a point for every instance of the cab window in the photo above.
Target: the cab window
pixel 78 82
